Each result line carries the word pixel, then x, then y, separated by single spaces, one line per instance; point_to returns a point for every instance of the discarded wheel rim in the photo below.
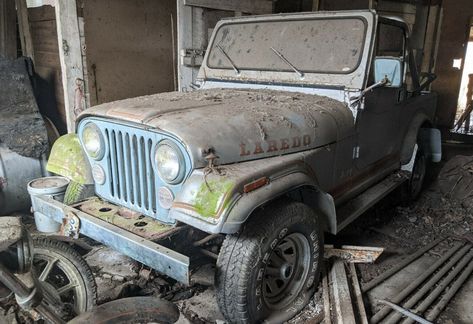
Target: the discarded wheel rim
pixel 67 286
pixel 131 310
pixel 286 271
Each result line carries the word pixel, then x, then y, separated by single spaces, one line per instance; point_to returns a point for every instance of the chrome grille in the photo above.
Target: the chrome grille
pixel 132 178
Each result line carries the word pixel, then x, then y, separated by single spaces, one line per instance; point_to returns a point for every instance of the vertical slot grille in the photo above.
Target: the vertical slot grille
pixel 131 174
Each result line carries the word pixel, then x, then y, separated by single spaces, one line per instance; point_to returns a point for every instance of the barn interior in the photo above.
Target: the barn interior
pixel 399 261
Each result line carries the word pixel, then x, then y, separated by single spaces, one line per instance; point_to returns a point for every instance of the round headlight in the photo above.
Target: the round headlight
pixel 169 162
pixel 93 141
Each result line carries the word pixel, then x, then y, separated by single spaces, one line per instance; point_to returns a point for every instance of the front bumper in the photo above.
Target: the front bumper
pixel 158 257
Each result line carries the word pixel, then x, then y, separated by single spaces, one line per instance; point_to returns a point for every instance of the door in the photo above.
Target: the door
pixel 378 123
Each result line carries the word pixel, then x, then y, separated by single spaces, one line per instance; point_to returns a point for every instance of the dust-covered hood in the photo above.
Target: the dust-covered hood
pixel 239 125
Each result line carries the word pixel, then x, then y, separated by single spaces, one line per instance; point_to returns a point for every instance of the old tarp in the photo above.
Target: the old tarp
pixel 22 128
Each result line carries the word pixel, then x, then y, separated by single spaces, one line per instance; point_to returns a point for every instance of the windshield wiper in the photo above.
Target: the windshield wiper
pixel 237 71
pixel 299 72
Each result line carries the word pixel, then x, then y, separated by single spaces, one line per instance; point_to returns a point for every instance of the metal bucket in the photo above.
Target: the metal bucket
pixel 15 172
pixel 54 187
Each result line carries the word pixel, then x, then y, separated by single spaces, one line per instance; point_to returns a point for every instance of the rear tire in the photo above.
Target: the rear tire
pixel 416 181
pixel 270 270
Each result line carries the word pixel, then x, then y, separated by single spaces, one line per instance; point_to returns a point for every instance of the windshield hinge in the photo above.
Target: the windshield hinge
pixel 192 57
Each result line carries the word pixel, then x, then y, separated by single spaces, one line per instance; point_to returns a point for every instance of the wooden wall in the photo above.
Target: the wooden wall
pixel 128 48
pixel 8 29
pixel 47 66
pixel 453 38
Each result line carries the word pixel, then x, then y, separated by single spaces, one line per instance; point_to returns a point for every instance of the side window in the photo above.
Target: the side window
pixel 390 54
pixel 391 41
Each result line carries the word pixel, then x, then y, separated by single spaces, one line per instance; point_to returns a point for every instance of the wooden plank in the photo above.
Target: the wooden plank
pixel 342 304
pixel 85 83
pixel 399 7
pixel 360 305
pixel 326 295
pixel 186 40
pixel 8 44
pixel 71 59
pixel 24 29
pixel 246 6
pixel 47 59
pixel 43 13
pixel 353 254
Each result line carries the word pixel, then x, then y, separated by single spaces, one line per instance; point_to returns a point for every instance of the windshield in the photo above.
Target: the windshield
pixel 328 45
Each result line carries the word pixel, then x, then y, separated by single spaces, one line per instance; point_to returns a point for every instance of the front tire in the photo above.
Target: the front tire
pixel 270 270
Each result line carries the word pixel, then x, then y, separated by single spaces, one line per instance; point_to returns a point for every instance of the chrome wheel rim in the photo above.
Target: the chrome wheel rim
pixel 286 271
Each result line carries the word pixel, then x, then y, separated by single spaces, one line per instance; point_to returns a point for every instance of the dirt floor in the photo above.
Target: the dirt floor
pixel 399 229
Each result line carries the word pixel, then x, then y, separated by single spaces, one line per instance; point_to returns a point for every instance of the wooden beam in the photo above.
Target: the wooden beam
pixel 8 44
pixel 246 6
pixel 71 59
pixel 191 36
pixel 24 29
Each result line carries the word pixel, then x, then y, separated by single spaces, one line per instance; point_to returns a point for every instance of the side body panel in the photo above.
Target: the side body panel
pixel 211 198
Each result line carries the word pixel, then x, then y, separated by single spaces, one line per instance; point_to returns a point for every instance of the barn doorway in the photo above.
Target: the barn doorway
pixel 465 96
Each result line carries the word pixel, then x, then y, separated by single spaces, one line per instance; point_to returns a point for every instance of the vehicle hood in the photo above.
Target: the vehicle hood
pixel 238 125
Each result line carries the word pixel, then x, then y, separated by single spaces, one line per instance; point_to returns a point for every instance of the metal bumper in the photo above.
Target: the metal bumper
pixel 158 257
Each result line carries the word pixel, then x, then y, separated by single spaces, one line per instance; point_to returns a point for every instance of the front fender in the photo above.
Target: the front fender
pixel 220 200
pixel 69 160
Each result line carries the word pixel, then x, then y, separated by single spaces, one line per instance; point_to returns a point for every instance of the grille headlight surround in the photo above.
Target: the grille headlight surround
pixel 93 141
pixel 169 162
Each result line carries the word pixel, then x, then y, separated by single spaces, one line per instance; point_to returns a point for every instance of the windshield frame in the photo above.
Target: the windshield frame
pixel 356 78
pixel 212 46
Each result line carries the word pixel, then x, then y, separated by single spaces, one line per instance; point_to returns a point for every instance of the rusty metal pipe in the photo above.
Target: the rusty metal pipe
pixel 22 292
pixel 413 300
pixel 12 283
pixel 451 292
pixel 405 312
pixel 208 253
pixel 376 281
pixel 206 239
pixel 410 288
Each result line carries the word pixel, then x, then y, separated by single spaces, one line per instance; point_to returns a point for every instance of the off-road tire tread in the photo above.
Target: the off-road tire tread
pixel 77 261
pixel 232 263
pixel 74 193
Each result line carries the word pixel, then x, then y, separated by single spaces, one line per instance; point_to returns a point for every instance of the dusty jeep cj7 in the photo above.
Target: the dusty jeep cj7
pixel 301 123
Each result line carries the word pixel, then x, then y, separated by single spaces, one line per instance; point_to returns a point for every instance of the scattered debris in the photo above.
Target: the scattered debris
pixel 353 254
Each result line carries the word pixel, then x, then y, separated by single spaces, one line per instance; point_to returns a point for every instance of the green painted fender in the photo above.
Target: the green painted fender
pixel 69 160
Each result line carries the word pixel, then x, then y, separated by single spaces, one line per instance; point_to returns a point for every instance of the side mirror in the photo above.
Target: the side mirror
pixel 390 68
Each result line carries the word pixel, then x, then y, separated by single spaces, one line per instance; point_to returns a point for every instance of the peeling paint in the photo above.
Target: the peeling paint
pixel 210 196
pixel 69 160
